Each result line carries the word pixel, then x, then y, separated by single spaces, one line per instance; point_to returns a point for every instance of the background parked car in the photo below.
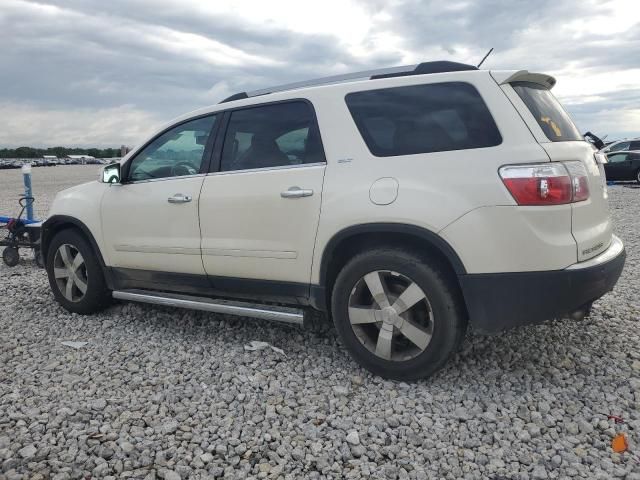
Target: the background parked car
pixel 623 166
pixel 14 164
pixel 622 146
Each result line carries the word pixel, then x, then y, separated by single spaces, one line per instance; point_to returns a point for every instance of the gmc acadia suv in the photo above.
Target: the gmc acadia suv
pixel 407 203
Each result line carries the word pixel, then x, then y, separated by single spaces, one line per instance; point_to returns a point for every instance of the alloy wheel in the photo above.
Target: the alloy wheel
pixel 391 315
pixel 70 273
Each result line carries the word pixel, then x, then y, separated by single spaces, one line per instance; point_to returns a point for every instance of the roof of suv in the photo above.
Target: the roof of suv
pixel 403 71
pixel 425 68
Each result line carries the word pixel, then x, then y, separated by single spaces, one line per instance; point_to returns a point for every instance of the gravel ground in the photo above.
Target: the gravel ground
pixel 47 181
pixel 162 393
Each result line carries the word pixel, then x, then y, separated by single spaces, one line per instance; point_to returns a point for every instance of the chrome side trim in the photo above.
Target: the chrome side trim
pixel 157 249
pixel 267 169
pixel 226 252
pixel 163 179
pixel 615 248
pixel 243 309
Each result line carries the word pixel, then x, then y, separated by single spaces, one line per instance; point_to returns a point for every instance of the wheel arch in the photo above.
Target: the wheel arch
pixel 358 237
pixel 58 223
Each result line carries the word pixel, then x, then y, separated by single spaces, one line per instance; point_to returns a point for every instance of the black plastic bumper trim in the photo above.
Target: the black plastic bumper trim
pixel 497 301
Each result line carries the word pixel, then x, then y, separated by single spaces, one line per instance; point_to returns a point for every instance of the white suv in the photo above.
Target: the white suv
pixel 407 203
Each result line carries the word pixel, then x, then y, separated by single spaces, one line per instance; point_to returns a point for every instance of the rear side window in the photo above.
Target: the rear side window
pixel 282 134
pixel 553 120
pixel 422 119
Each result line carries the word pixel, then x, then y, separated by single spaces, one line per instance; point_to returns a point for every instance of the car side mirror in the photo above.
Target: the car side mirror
pixel 111 173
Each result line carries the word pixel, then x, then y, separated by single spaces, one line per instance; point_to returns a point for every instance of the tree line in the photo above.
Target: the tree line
pixel 60 152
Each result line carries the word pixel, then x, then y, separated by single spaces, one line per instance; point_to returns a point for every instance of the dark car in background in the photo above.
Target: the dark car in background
pixel 622 145
pixel 623 166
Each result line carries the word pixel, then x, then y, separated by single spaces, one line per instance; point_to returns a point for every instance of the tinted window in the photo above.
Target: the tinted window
pixel 617 157
pixel 177 152
pixel 634 146
pixel 271 136
pixel 553 120
pixel 423 118
pixel 619 147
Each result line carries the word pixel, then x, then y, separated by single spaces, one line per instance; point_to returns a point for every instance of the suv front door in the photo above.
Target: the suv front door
pixel 260 205
pixel 150 221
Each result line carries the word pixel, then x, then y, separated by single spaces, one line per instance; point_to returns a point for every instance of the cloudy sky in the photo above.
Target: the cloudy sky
pixel 107 72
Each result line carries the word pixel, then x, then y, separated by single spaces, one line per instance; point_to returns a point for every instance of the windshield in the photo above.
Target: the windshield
pixel 553 120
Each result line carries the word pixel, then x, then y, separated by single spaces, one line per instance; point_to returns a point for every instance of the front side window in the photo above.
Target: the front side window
pixel 617 158
pixel 553 120
pixel 427 118
pixel 283 134
pixel 177 152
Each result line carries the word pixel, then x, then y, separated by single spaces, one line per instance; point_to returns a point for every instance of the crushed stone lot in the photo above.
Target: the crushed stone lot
pixel 165 393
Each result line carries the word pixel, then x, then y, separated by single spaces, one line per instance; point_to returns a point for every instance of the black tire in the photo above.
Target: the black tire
pixel 97 296
pixel 11 256
pixel 638 177
pixel 448 321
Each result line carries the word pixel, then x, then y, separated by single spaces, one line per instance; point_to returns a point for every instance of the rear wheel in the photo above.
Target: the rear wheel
pixel 399 315
pixel 638 176
pixel 75 276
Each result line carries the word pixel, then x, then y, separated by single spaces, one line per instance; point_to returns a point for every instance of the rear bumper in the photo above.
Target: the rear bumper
pixel 496 301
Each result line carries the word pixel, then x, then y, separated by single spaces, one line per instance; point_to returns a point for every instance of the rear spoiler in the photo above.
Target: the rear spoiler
pixel 510 76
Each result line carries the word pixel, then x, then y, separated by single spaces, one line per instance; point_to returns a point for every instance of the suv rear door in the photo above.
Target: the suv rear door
pixel 562 141
pixel 260 204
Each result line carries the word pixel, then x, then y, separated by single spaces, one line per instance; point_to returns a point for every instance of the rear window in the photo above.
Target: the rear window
pixel 423 118
pixel 553 120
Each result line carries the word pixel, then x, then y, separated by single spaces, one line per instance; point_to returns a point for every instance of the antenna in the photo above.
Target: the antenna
pixel 485 57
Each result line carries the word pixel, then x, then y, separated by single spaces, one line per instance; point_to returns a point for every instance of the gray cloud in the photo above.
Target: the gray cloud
pixel 103 64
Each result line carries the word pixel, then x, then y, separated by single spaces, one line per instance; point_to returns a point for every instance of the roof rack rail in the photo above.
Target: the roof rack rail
pixel 403 71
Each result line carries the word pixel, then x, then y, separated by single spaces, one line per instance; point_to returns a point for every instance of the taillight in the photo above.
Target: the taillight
pixel 546 183
pixel 579 180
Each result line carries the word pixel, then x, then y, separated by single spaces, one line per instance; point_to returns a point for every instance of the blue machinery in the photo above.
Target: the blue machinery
pixel 21 232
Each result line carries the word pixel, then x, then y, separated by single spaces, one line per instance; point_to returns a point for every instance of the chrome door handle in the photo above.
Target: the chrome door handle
pixel 296 192
pixel 179 198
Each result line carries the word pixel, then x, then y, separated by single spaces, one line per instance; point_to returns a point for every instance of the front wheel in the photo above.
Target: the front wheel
pixel 399 315
pixel 638 176
pixel 75 276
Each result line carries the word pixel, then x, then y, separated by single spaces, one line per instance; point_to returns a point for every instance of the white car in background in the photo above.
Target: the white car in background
pixel 407 204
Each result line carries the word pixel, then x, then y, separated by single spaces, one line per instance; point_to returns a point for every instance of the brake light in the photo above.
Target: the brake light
pixel 546 183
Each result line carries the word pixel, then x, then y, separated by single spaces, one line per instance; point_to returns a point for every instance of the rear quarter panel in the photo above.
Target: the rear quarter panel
pixel 590 223
pixel 435 189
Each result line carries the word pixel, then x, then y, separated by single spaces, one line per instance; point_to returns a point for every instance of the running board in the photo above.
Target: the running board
pixel 243 309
